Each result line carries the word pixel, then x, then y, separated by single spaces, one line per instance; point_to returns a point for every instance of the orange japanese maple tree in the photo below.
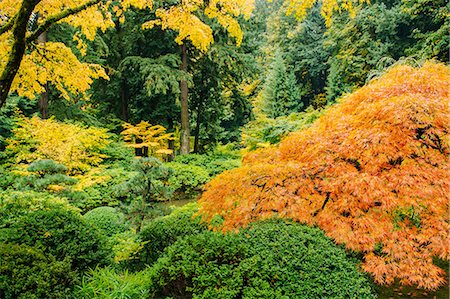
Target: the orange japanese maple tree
pixel 373 173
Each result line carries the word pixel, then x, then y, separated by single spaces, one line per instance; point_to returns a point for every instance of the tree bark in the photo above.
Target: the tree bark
pixel 171 144
pixel 124 101
pixel 185 134
pixel 197 129
pixel 43 99
pixel 19 30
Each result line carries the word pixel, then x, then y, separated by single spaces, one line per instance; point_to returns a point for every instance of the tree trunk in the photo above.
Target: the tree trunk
pixel 19 31
pixel 43 99
pixel 124 101
pixel 197 129
pixel 171 144
pixel 185 134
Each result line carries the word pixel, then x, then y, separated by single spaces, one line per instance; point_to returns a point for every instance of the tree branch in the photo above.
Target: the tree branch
pixel 9 24
pixel 58 17
pixel 19 30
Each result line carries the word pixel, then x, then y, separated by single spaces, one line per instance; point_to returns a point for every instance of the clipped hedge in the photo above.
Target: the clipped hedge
pixel 272 259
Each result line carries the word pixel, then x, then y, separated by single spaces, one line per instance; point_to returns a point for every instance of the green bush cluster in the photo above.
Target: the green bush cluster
pixel 164 231
pixel 192 172
pixel 266 131
pixel 107 219
pixel 7 178
pixel 54 240
pixel 273 259
pixel 45 167
pixel 270 259
pixel 213 163
pixel 187 179
pixel 29 273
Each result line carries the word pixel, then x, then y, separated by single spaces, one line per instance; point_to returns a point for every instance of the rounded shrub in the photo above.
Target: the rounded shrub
pixel 107 219
pixel 164 231
pixel 58 238
pixel 26 272
pixel 271 259
pixel 187 178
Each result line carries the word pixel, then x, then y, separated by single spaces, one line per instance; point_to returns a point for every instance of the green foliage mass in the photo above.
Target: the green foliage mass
pixel 29 273
pixel 44 173
pixel 107 283
pixel 43 167
pixel 186 178
pixel 45 244
pixel 164 231
pixel 272 259
pixel 265 131
pixel 149 181
pixel 8 114
pixel 107 219
pixel 280 92
pixel 51 225
pixel 224 157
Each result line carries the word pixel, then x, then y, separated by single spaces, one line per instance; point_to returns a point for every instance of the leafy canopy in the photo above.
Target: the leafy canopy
pixel 372 173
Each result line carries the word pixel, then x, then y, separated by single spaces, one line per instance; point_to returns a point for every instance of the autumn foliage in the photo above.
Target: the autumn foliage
pixel 76 147
pixel 372 172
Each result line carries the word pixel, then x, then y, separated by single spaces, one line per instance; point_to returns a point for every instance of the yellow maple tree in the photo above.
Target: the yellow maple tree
pixel 76 147
pixel 27 65
pixel 150 140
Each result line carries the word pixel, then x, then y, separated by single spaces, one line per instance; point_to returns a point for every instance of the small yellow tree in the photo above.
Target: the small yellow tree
pixel 148 140
pixel 76 147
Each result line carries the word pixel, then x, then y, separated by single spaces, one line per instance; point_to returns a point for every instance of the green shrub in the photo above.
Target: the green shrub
pixel 164 231
pixel 43 167
pixel 16 204
pixel 150 181
pixel 221 159
pixel 107 283
pixel 7 178
pixel 107 219
pixel 186 178
pixel 49 224
pixel 264 131
pixel 37 183
pixel 28 273
pixel 87 195
pixel 272 259
pixel 118 153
